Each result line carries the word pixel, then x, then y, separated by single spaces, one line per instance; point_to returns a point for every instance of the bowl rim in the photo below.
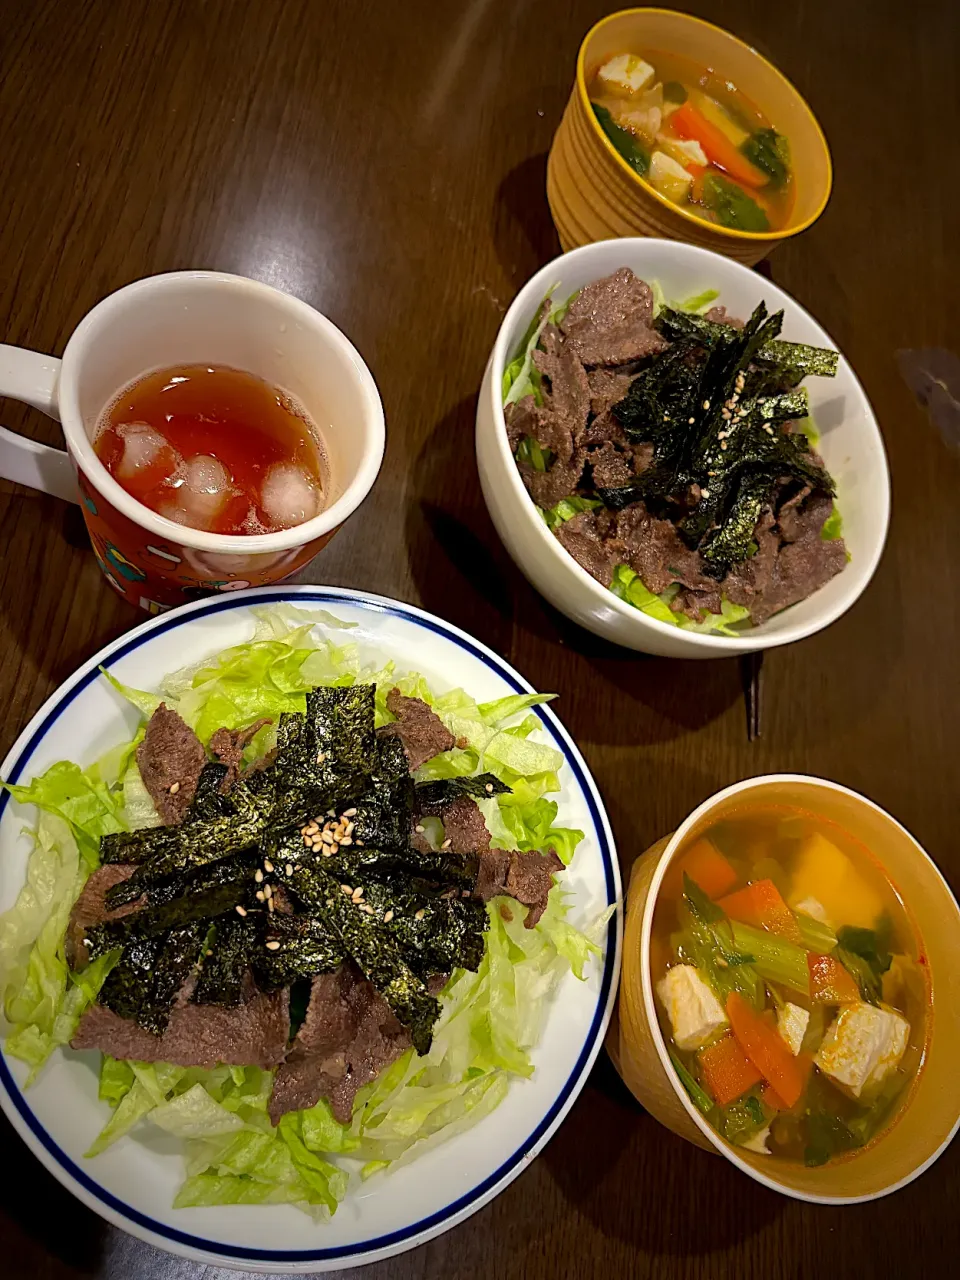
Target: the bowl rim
pixel 757 638
pixel 674 842
pixel 731 233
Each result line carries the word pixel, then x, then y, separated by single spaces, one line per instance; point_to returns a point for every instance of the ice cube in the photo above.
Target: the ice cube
pixel 202 489
pixel 288 496
pixel 147 455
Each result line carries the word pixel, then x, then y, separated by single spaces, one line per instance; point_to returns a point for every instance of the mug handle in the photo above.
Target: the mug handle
pixel 33 378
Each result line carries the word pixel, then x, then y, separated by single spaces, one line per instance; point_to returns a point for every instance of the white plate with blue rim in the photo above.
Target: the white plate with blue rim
pixel 133 1184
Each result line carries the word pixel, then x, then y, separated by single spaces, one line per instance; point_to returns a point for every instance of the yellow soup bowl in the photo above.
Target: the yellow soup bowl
pixel 931 1114
pixel 595 195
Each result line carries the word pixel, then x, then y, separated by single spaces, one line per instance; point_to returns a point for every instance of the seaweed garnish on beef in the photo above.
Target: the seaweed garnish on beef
pixel 702 450
pixel 302 868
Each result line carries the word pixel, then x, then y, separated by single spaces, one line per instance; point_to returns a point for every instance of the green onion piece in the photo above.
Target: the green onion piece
pixel 698 1095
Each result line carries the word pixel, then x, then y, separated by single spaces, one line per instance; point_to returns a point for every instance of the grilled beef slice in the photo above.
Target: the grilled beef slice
pixel 170 759
pixel 419 728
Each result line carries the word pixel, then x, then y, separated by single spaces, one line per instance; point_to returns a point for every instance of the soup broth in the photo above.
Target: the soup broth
pixel 792 989
pixel 214 448
pixel 696 138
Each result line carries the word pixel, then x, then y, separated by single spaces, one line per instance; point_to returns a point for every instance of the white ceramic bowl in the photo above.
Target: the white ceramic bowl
pixel 850 443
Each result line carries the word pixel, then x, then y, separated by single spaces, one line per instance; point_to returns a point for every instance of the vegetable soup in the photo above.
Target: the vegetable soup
pixel 696 139
pixel 792 990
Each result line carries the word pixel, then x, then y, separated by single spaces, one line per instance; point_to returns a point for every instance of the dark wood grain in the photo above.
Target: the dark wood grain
pixel 386 162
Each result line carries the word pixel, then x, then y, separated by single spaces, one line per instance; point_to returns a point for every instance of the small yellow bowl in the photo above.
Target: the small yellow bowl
pixel 931 1116
pixel 595 195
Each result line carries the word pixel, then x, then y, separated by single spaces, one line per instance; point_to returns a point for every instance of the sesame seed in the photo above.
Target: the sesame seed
pixel 691 421
pixel 368 909
pixel 321 756
pixel 258 876
pixel 260 897
pixel 327 851
pixel 704 493
pixel 288 869
pixel 419 829
pixel 208 952
pixel 174 788
pixel 723 444
pixel 706 404
pixel 345 888
pixel 666 417
pixel 446 844
pixel 349 813
pixel 346 840
pixel 267 891
pixel 267 864
pixel 270 904
pixel 331 814
pixel 273 945
pixel 418 915
pixel 240 911
pixel 329 902
pixel 357 894
pixel 388 916
pixel 359 844
pixel 326 837
pixel 489 787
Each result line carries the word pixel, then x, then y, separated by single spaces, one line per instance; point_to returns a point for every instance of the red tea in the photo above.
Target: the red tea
pixel 215 449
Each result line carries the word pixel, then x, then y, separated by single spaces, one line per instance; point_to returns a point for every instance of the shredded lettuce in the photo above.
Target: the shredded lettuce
pixel 490 1020
pixel 628 586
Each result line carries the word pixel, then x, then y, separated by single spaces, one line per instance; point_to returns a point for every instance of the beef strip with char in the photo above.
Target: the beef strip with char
pixel 170 759
pixel 254 1033
pixel 228 746
pixel 609 321
pixel 583 539
pixel 419 728
pixel 526 877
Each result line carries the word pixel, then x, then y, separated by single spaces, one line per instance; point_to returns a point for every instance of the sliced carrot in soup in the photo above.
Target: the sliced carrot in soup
pixel 727 1071
pixel 763 1046
pixel 704 863
pixel 830 982
pixel 761 905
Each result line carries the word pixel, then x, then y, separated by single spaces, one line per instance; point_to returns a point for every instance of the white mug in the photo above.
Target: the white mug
pixel 193 317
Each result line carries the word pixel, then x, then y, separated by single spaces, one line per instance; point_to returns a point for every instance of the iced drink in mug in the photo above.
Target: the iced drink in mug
pixel 218 433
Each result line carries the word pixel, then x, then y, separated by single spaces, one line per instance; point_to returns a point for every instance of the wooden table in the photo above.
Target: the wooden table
pixel 386 162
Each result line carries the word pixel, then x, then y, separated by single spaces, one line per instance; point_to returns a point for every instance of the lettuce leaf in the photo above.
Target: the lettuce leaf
pixel 520 377
pixel 628 586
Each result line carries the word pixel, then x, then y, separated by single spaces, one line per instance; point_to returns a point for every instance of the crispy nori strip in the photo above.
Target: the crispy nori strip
pixel 150 974
pixel 389 865
pixel 700 407
pixel 128 986
pixel 448 934
pixel 200 900
pixel 800 359
pixel 435 795
pixel 307 946
pixel 230 945
pixel 385 809
pixel 375 952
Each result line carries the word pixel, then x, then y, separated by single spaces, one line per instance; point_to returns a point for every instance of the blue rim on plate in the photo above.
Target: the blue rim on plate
pixel 67 1170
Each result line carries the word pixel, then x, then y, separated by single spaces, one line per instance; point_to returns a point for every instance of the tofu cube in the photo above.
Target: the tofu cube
pixel 684 150
pixel 792 1023
pixel 758 1142
pixel 669 178
pixel 695 1013
pixel 625 74
pixel 862 1046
